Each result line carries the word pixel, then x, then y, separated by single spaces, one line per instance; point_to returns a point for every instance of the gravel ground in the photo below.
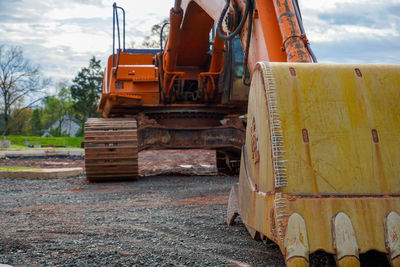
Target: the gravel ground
pixel 154 221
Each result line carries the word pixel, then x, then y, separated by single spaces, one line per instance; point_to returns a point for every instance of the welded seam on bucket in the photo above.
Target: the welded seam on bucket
pixel 281 208
pixel 278 152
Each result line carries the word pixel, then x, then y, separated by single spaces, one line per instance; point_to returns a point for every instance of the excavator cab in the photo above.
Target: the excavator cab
pixel 234 90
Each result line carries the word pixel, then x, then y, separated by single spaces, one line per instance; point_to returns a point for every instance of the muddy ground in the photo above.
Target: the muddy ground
pixel 162 219
pixel 161 162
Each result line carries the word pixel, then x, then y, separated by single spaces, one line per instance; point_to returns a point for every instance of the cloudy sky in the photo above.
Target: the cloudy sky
pixel 62 35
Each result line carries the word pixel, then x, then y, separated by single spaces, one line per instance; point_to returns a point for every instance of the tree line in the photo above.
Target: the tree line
pixel 26 108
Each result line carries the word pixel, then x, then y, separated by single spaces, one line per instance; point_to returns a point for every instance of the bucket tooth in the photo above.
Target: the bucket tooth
pixel 323 145
pixel 253 233
pixel 265 239
pixel 392 237
pixel 296 242
pixel 233 205
pixel 345 242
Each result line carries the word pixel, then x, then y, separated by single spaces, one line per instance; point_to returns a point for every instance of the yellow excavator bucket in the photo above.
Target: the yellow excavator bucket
pixel 320 169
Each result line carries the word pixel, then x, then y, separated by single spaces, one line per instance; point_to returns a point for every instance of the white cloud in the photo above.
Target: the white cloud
pixel 353 30
pixel 77 11
pixel 81 42
pixel 337 33
pixel 63 35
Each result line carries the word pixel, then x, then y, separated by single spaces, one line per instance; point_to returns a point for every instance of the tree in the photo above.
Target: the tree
pixel 19 122
pixel 153 40
pixel 36 123
pixel 51 110
pixel 57 107
pixel 20 82
pixel 86 90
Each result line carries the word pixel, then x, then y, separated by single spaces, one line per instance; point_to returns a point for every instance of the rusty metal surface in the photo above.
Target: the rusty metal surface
pixel 190 138
pixel 187 117
pixel 320 143
pixel 111 149
pixel 293 40
pixel 190 128
pixel 112 145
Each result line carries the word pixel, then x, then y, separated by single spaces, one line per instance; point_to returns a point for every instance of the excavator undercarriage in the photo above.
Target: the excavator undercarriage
pixel 112 144
pixel 317 151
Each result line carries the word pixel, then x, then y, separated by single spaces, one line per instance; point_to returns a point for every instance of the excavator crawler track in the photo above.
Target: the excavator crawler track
pixel 111 149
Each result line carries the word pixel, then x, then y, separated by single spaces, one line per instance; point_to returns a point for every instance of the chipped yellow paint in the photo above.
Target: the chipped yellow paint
pixel 339 111
pixel 337 165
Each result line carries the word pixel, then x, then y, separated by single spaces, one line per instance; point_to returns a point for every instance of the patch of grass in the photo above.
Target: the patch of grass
pixel 18 169
pixel 17 146
pixel 18 142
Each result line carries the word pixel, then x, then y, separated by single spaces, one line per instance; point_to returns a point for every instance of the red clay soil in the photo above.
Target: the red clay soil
pixel 153 162
pixel 43 163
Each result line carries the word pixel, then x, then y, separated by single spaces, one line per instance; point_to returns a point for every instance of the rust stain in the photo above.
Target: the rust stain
pixel 375 136
pixel 292 71
pixel 309 163
pixel 292 197
pixel 273 224
pixel 254 143
pixel 293 39
pixel 305 136
pixel 358 72
pixel 379 164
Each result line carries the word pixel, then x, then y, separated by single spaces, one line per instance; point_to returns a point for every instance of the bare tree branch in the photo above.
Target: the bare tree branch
pixel 20 80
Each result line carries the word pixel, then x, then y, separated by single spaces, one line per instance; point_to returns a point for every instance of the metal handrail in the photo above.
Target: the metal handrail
pixel 116 22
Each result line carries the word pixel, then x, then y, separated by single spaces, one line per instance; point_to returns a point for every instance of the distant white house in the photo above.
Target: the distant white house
pixel 69 125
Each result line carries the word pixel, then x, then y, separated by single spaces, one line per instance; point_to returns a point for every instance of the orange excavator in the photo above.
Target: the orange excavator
pixel 317 152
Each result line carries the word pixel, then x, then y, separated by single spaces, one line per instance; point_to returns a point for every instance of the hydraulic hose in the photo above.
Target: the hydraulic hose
pixel 161 35
pixel 246 54
pixel 300 20
pixel 238 28
pixel 298 9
